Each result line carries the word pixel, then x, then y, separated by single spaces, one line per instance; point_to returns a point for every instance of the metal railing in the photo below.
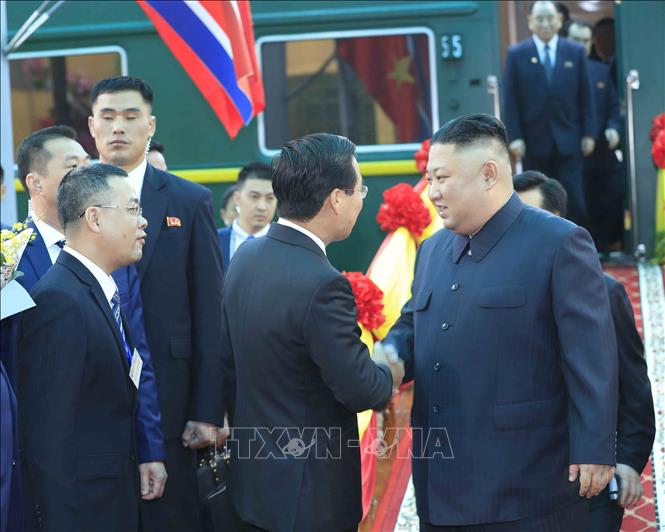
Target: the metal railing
pixel 633 84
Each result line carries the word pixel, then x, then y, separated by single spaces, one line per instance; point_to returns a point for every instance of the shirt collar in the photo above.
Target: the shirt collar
pixel 49 234
pixel 136 177
pixel 244 235
pixel 317 240
pixel 540 44
pixel 105 281
pixel 485 239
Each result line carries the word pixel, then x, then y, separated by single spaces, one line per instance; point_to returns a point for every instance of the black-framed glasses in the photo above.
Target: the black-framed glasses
pixel 134 210
pixel 363 191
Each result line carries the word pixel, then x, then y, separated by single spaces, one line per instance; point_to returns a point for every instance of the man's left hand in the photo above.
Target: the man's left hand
pixel 593 477
pixel 630 488
pixel 588 145
pixel 198 434
pixel 612 137
pixel 153 480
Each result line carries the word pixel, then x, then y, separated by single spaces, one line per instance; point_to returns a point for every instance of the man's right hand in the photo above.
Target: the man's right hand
pixel 387 354
pixel 517 148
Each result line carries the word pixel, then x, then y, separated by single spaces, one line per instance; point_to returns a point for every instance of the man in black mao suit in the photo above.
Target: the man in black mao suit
pixel 549 106
pixel 181 285
pixel 293 348
pixel 635 419
pixel 77 394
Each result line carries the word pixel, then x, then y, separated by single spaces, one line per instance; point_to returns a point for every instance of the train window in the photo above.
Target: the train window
pixel 373 87
pixel 53 87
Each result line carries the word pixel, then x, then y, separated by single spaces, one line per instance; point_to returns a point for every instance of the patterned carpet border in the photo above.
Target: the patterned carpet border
pixel 652 298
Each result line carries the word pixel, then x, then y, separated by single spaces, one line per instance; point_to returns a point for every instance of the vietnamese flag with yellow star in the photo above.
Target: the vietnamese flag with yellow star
pixel 388 68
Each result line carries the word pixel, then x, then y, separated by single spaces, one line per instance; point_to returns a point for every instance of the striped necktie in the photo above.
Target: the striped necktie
pixel 115 309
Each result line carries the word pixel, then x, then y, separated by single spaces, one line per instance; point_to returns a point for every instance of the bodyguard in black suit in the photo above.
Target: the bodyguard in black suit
pixel 603 179
pixel 635 419
pixel 298 368
pixel 548 105
pixel 509 341
pixel 181 285
pixel 77 370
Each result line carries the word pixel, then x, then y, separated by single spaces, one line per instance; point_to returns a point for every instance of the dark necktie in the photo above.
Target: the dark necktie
pixel 115 309
pixel 60 243
pixel 250 237
pixel 547 64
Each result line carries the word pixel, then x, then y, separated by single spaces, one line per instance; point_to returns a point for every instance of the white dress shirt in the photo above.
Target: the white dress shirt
pixel 540 45
pixel 105 281
pixel 136 177
pixel 305 232
pixel 51 238
pixel 239 236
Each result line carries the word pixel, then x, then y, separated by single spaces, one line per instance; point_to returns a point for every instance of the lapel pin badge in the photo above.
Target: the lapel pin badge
pixel 568 64
pixel 600 84
pixel 173 221
pixel 534 60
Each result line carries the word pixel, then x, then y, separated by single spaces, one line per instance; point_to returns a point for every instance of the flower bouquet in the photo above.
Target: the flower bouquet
pixel 15 299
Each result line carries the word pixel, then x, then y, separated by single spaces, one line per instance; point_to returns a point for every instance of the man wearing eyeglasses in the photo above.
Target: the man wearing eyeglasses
pixel 181 285
pixel 78 370
pixel 305 366
pixel 43 158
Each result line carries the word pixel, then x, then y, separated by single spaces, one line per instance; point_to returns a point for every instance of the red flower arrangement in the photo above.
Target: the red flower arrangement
pixel 658 124
pixel 369 300
pixel 403 207
pixel 422 155
pixel 658 149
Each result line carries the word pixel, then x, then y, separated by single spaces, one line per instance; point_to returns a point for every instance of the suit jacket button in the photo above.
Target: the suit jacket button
pixel 132 458
pixel 454 287
pixel 435 409
pixel 437 366
pixel 13 463
pixel 445 325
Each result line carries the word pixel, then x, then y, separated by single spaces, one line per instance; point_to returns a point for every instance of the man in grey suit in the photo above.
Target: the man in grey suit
pixel 294 357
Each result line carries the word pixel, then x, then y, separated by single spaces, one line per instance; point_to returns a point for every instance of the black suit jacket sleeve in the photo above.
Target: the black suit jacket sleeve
pixel 635 424
pixel 51 370
pixel 205 285
pixel 332 337
pixel 586 97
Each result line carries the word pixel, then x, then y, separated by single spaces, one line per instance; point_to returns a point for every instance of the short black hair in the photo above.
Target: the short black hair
pixel 82 187
pixel 121 83
pixel 31 154
pixel 604 22
pixel 555 197
pixel 468 130
pixel 254 171
pixel 308 169
pixel 580 23
pixel 228 194
pixel 155 145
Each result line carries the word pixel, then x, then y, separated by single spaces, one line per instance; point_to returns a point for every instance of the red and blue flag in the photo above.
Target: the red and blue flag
pixel 214 43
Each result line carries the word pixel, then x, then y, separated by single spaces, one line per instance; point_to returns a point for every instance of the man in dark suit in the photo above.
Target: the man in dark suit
pixel 604 184
pixel 43 158
pixel 78 371
pixel 256 205
pixel 635 421
pixel 300 378
pixel 511 347
pixel 181 285
pixel 548 105
pixel 11 518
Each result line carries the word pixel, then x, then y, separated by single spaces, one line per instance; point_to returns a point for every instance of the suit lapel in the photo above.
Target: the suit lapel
pixel 154 205
pixel 538 66
pixel 37 254
pixel 86 277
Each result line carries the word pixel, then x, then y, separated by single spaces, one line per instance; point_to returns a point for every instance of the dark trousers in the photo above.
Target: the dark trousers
pixel 605 515
pixel 573 518
pixel 178 509
pixel 567 170
pixel 605 200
